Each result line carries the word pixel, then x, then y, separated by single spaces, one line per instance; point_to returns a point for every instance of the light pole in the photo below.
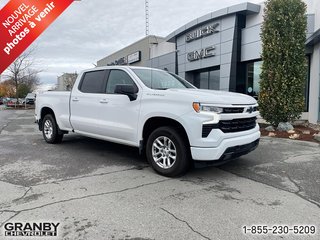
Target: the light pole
pixel 147 17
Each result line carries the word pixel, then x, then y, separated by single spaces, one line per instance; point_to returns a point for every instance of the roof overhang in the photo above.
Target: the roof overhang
pixel 243 8
pixel 314 39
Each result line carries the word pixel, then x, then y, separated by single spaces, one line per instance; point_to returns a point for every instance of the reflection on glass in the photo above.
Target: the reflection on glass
pixel 214 80
pixel 208 80
pixel 253 78
pixel 204 83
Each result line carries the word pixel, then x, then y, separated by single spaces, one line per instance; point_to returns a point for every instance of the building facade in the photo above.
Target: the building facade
pixel 222 51
pixel 139 53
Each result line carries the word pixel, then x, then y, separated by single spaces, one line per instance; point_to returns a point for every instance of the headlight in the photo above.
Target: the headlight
pixel 206 108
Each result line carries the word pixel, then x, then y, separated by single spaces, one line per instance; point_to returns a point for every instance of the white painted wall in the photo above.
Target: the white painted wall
pixel 317 12
pixel 313 7
pixel 314 85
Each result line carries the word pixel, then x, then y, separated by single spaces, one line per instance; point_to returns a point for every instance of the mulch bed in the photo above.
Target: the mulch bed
pixel 298 130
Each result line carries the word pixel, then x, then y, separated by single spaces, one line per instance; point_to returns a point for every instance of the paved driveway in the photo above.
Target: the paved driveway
pixel 100 190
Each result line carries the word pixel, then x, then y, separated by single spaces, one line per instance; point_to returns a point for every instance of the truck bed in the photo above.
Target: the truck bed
pixel 58 100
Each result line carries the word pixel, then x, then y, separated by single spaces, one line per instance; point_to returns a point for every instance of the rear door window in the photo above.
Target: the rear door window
pixel 93 82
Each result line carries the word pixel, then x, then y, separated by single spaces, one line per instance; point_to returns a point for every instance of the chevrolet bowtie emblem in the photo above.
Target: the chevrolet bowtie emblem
pixel 250 110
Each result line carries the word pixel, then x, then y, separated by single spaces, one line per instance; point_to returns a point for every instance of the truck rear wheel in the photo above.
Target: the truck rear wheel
pixel 168 152
pixel 50 130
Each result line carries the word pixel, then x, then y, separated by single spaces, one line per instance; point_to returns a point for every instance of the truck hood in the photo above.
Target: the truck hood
pixel 215 97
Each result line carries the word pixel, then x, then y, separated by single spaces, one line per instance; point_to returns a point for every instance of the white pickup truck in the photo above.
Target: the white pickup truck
pixel 162 114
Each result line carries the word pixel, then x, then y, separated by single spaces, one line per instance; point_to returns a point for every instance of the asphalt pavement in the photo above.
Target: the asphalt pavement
pixel 101 190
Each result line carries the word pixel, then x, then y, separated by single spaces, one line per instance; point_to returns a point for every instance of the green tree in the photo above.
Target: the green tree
pixel 23 90
pixel 284 68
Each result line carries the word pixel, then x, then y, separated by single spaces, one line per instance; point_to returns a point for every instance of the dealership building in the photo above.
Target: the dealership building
pixel 222 51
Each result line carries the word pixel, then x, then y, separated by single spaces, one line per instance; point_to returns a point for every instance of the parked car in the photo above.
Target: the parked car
pixel 30 98
pixel 1 100
pixel 6 100
pixel 12 102
pixel 160 113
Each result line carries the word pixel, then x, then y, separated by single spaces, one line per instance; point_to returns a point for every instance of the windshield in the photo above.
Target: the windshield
pixel 161 80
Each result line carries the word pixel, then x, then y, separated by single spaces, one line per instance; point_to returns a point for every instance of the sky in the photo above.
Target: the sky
pixel 90 30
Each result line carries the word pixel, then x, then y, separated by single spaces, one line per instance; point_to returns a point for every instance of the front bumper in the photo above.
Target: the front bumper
pixel 228 148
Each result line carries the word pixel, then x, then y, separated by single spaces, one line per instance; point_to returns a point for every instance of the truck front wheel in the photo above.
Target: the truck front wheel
pixel 50 130
pixel 168 152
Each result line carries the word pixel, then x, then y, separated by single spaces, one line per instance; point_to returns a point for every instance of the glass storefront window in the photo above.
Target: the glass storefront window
pixel 207 79
pixel 253 78
pixel 214 80
pixel 204 83
pixel 307 86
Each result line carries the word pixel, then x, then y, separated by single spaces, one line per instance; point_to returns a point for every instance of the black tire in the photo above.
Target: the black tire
pixel 54 136
pixel 182 157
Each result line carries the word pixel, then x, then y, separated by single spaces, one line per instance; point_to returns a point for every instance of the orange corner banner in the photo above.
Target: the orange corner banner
pixel 21 22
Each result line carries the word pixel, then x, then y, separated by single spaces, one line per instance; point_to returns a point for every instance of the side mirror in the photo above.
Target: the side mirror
pixel 127 89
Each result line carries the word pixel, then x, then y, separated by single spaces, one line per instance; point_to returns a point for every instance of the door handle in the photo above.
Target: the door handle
pixel 75 100
pixel 104 101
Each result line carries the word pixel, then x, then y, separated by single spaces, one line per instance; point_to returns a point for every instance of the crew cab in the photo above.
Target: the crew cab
pixel 163 115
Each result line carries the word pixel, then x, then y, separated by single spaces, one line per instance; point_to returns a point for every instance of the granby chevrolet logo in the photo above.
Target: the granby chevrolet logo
pixel 19 229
